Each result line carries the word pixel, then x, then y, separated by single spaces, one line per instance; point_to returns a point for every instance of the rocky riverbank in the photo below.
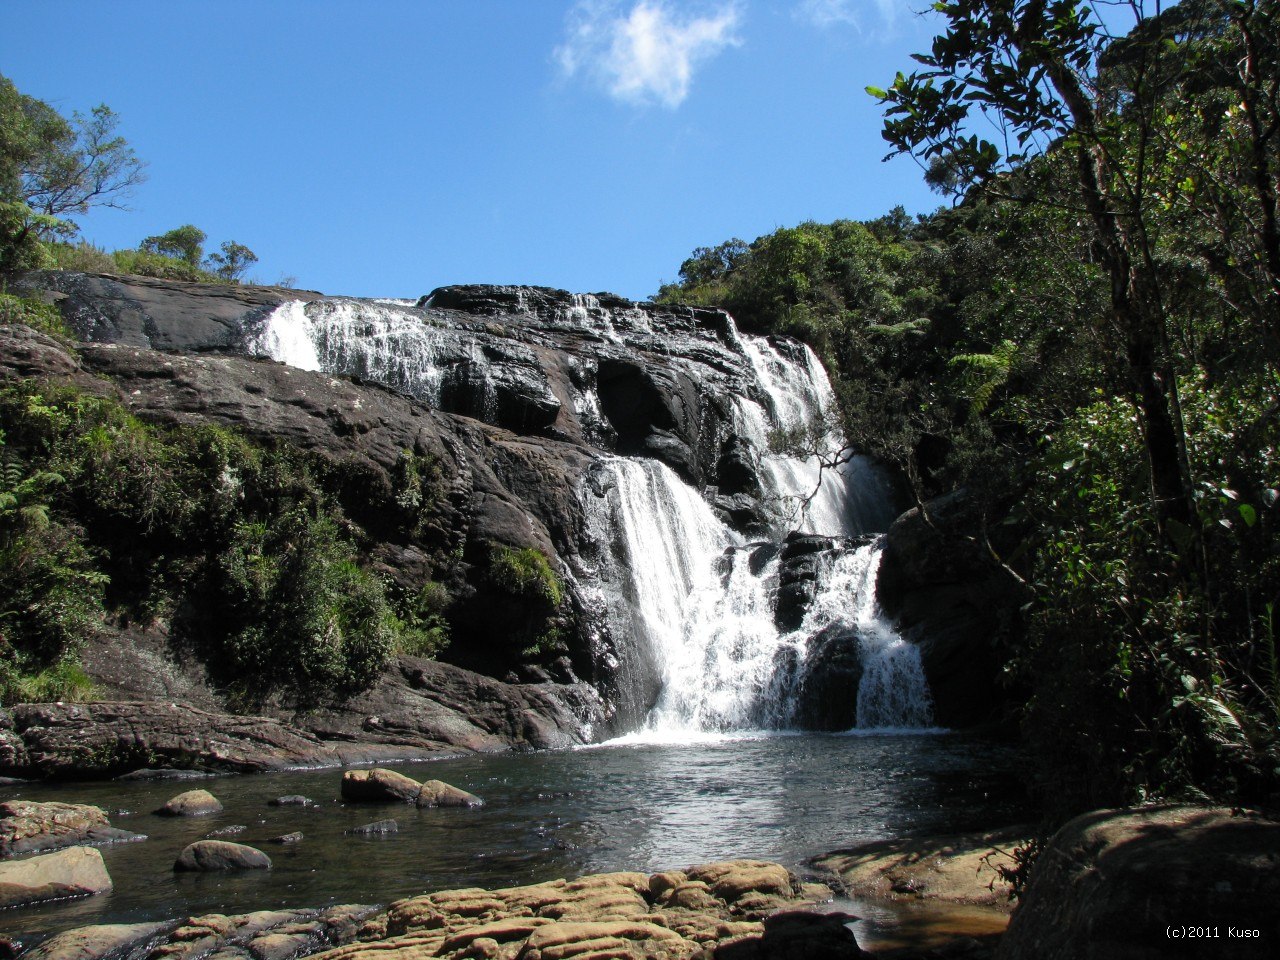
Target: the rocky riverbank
pixel 1120 885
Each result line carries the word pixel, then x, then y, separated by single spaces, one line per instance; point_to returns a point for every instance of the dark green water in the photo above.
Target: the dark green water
pixel 645 807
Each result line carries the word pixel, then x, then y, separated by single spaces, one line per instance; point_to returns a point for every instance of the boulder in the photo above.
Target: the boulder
pixel 950 869
pixel 380 786
pixel 30 827
pixel 209 855
pixel 71 872
pixel 1152 883
pixel 192 803
pixel 437 793
pixel 262 935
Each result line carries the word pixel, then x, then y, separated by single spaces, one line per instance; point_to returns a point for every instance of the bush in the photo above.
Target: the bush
pixel 37 315
pixel 247 548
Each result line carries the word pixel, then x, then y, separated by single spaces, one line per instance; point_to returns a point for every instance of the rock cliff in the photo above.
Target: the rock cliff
pixel 518 397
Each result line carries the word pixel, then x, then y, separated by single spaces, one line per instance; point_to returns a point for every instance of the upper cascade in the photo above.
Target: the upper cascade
pixel 676 384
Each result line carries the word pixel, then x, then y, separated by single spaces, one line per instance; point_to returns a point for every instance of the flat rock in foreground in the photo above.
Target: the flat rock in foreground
pixel 676 915
pixel 960 868
pixel 73 872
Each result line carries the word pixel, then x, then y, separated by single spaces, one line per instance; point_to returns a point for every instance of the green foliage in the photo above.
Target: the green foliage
pixel 526 577
pixel 52 168
pixel 145 263
pixel 526 573
pixel 185 243
pixel 251 551
pixel 37 315
pixel 301 612
pixel 52 597
pixel 424 628
pixel 232 262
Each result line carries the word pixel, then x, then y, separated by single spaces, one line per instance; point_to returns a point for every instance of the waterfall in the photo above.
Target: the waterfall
pixel 827 491
pixel 387 341
pixel 692 612
pixel 702 605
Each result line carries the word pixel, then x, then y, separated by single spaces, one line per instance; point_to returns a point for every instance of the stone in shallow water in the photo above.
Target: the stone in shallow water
pixel 206 855
pixel 292 800
pixel 437 793
pixel 375 828
pixel 193 803
pixel 73 872
pixel 378 785
pixel 30 827
pixel 98 941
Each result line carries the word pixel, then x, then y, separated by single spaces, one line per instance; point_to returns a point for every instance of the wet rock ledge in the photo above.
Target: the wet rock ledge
pixel 737 910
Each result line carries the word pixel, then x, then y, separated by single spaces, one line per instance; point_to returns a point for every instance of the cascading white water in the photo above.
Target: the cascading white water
pixel 703 617
pixel 828 491
pixel 388 341
pixel 704 608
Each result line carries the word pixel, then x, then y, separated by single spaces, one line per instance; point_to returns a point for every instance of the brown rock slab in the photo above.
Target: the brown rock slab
pixel 437 793
pixel 209 855
pixel 379 786
pixel 30 827
pixel 113 737
pixel 957 868
pixel 192 803
pixel 72 872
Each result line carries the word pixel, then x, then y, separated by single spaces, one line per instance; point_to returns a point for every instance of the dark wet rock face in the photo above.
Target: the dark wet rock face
pixel 942 588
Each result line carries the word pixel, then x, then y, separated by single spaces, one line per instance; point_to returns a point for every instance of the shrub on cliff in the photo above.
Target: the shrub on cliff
pixel 252 552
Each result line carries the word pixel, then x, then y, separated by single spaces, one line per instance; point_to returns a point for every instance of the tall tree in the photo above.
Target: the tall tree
pixel 52 168
pixel 1031 67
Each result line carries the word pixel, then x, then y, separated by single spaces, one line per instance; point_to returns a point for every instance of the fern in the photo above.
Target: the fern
pixel 985 373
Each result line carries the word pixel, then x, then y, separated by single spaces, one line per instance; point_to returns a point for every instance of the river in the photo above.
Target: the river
pixel 629 805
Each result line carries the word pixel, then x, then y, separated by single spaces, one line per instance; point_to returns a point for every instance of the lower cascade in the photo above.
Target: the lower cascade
pixel 714 617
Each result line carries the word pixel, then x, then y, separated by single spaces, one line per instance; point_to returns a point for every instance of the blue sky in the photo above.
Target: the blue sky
pixel 386 148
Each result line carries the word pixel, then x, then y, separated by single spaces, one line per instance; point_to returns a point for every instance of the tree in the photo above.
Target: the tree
pixel 1031 67
pixel 52 168
pixel 185 243
pixel 232 262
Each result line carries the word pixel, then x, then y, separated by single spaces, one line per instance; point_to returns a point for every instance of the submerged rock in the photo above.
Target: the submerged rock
pixel 207 855
pixel 72 872
pixel 376 828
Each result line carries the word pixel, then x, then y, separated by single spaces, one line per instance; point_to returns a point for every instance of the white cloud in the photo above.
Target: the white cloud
pixel 647 55
pixel 862 15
